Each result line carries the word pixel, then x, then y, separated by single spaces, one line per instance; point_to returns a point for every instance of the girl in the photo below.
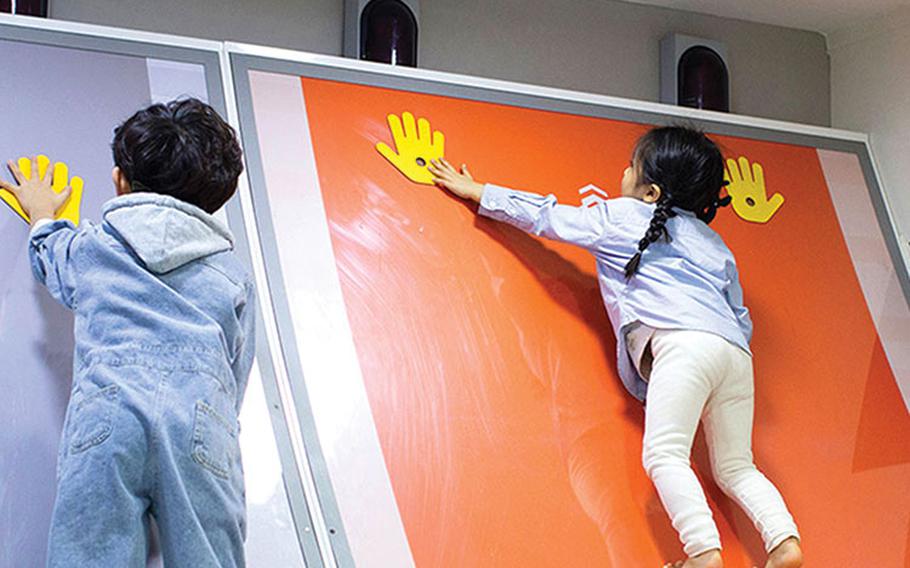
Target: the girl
pixel 672 293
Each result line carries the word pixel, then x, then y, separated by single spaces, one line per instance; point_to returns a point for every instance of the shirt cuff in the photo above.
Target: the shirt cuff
pixel 495 198
pixel 38 224
pixel 44 227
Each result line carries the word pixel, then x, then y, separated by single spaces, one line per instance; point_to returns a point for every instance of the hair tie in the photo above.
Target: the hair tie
pixel 723 201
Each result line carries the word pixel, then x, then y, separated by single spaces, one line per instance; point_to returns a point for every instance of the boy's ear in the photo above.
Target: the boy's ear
pixel 121 185
pixel 652 194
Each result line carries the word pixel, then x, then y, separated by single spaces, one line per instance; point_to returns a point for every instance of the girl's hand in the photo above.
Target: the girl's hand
pixel 461 184
pixel 35 194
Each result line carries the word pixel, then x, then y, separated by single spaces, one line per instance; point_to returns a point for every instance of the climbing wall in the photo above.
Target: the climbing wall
pixel 461 375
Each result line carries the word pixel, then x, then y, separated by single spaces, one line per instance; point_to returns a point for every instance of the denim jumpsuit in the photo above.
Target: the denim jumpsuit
pixel 164 316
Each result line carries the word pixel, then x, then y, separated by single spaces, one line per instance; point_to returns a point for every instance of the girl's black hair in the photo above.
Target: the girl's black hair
pixel 689 169
pixel 182 149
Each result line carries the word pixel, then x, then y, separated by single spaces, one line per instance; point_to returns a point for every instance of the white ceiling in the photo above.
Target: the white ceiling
pixel 825 16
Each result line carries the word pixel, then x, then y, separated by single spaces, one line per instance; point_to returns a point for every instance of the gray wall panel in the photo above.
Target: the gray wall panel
pixel 601 46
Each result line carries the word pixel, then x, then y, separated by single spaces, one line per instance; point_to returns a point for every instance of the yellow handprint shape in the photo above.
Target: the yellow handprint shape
pixel 70 210
pixel 747 191
pixel 416 146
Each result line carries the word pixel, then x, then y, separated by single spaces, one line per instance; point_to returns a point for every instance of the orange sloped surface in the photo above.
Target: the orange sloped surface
pixel 488 357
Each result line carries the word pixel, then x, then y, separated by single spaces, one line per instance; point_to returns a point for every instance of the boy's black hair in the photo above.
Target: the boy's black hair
pixel 689 169
pixel 182 149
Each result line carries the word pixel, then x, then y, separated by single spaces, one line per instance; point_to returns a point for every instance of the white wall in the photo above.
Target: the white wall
pixel 600 46
pixel 870 92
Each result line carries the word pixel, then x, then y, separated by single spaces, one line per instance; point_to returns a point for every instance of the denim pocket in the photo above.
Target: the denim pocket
pixel 213 440
pixel 91 422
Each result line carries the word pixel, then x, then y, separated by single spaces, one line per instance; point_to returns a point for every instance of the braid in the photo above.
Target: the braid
pixel 656 229
pixel 688 168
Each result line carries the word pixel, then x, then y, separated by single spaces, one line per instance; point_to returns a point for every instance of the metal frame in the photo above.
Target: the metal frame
pixel 318 486
pixel 211 55
pixel 312 530
pixel 243 58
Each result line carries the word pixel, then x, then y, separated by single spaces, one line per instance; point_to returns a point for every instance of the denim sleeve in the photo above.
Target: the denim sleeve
pixel 734 293
pixel 542 215
pixel 52 251
pixel 246 347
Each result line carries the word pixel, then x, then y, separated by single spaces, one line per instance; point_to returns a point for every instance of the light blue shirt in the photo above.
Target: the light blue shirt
pixel 689 283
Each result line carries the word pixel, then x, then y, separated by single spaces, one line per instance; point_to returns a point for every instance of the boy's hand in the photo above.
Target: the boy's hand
pixel 71 209
pixel 461 184
pixel 34 191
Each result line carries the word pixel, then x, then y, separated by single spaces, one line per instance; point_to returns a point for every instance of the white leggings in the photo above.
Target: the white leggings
pixel 697 375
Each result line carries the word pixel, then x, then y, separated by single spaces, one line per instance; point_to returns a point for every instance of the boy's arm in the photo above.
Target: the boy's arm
pixel 246 350
pixel 530 212
pixel 52 244
pixel 52 249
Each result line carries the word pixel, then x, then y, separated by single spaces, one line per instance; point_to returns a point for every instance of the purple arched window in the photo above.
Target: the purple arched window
pixel 25 7
pixel 388 33
pixel 702 80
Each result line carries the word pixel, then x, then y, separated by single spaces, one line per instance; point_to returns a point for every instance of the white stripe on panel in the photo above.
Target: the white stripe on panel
pixel 325 343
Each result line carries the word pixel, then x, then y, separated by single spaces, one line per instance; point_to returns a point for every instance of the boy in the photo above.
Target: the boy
pixel 164 316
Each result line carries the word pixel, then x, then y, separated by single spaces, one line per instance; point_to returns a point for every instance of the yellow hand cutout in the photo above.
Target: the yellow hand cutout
pixel 70 209
pixel 416 146
pixel 747 191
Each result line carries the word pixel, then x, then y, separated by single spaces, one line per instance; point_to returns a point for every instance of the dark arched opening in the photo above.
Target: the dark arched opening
pixel 702 80
pixel 388 33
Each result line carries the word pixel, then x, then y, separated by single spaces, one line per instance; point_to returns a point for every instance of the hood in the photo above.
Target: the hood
pixel 164 232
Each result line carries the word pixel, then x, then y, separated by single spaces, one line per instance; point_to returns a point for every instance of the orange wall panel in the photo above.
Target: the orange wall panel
pixel 489 360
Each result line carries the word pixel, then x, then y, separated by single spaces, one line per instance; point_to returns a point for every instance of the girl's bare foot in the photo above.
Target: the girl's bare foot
pixel 788 554
pixel 710 559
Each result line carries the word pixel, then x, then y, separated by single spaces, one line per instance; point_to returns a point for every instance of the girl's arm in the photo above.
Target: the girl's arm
pixel 530 212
